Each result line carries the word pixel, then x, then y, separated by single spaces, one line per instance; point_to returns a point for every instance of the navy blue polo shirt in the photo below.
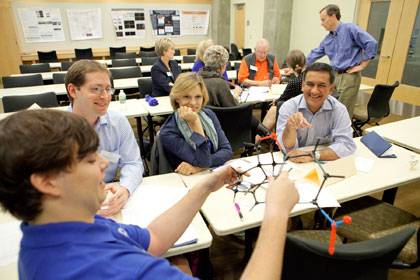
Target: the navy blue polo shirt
pixel 101 250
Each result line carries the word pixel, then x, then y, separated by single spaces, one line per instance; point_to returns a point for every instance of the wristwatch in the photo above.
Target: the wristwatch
pixel 317 155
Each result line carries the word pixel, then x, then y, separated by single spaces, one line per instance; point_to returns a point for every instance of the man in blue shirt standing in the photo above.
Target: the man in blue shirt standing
pixel 89 89
pixel 55 185
pixel 349 49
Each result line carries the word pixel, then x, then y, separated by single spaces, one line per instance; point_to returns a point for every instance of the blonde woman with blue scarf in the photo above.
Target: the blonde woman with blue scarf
pixel 192 137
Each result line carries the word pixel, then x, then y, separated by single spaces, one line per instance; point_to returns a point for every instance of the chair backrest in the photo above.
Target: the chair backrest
pixel 145 86
pixel 235 51
pixel 124 62
pixel 65 65
pixel 177 52
pixel 232 56
pixel 147 49
pixel 47 56
pixel 58 78
pixel 22 81
pixel 246 51
pixel 378 105
pixel 371 259
pixel 113 50
pixel 126 72
pixel 159 164
pixel 83 53
pixel 15 103
pixel 236 123
pixel 34 68
pixel 188 58
pixel 149 60
pixel 237 65
pixel 191 51
pixel 148 54
pixel 124 55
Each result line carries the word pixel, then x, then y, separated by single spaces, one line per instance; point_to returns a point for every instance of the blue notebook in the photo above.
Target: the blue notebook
pixel 377 145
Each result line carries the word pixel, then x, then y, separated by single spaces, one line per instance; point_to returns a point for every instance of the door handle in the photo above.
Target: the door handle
pixel 385 56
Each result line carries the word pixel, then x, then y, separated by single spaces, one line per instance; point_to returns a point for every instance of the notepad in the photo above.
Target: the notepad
pixel 377 145
pixel 147 203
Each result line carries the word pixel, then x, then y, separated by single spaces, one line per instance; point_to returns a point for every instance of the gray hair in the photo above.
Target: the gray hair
pixel 215 57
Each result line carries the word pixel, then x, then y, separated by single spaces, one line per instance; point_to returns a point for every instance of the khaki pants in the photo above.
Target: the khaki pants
pixel 347 86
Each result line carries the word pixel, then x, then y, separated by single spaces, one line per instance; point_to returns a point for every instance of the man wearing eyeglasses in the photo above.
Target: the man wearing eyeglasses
pixel 89 90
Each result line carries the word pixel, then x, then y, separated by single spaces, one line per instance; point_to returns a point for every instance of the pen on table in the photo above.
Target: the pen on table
pixel 238 209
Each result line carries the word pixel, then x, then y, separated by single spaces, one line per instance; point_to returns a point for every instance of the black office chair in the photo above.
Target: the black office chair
pixel 127 72
pixel 123 62
pixel 65 65
pixel 83 53
pixel 147 49
pixel 377 107
pixel 177 52
pixel 232 57
pixel 235 51
pixel 149 60
pixel 145 86
pixel 34 68
pixel 372 218
pixel 125 55
pixel 236 66
pixel 15 103
pixel 236 123
pixel 113 51
pixel 22 81
pixel 188 59
pixel 148 54
pixel 246 51
pixel 45 57
pixel 159 164
pixel 58 78
pixel 309 259
pixel 191 51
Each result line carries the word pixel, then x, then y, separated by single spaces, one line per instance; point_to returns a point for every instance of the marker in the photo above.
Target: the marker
pixel 238 209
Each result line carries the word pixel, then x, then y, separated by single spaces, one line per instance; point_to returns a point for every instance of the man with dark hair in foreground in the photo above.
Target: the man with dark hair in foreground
pixel 55 185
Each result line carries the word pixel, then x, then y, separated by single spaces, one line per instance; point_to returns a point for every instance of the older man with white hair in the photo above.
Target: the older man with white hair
pixel 259 68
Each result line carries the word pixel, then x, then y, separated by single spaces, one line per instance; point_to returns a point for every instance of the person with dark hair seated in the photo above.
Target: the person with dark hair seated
pixel 295 61
pixel 55 185
pixel 316 117
pixel 165 71
pixel 192 137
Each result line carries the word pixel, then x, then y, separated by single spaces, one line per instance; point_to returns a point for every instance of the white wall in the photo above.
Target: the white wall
pixel 254 20
pixel 306 30
pixel 109 39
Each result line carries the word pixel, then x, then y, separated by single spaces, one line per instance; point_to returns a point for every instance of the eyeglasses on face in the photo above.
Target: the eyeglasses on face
pixel 100 90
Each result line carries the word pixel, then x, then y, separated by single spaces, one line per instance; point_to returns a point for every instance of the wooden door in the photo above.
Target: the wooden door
pixel 240 25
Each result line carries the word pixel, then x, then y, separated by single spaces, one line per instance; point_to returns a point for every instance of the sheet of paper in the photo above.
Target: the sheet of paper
pixel 364 164
pixel 85 24
pixel 10 236
pixel 307 193
pixel 148 203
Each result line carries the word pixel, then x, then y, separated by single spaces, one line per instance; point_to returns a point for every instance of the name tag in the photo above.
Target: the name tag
pixel 111 157
pixel 253 68
pixel 169 74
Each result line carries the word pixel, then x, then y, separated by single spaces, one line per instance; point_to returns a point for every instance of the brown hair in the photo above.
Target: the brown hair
pixel 296 60
pixel 76 74
pixel 184 83
pixel 38 142
pixel 332 9
pixel 202 47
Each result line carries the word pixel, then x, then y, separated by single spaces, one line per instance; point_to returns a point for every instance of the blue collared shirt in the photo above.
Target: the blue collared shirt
pixel 345 47
pixel 100 250
pixel 116 136
pixel 331 124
